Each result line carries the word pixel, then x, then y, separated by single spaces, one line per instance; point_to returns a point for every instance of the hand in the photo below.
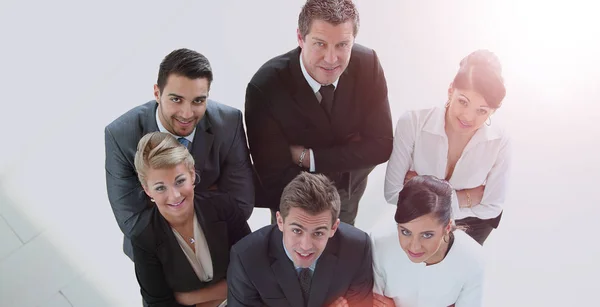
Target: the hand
pixel 476 195
pixel 382 301
pixel 296 151
pixel 184 298
pixel 409 176
pixel 340 302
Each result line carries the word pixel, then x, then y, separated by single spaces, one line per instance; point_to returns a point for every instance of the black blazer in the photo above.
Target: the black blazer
pixel 261 274
pixel 219 149
pixel 282 110
pixel 161 266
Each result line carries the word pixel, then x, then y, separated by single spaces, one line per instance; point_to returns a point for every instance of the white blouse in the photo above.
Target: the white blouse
pixel 458 279
pixel 421 145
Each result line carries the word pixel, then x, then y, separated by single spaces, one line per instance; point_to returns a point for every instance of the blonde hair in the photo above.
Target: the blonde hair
pixel 159 150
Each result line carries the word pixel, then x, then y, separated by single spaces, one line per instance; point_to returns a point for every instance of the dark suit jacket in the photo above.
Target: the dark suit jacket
pixel 282 110
pixel 161 266
pixel 261 274
pixel 219 149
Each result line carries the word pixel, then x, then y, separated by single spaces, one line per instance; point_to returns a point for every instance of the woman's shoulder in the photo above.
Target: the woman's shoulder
pixel 150 236
pixel 467 251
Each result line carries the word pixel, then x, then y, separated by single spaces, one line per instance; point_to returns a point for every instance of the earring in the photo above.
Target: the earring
pixel 446 238
pixel 152 199
pixel 447 103
pixel 490 119
pixel 197 178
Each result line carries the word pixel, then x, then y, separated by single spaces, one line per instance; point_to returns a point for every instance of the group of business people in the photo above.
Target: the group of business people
pixel 183 178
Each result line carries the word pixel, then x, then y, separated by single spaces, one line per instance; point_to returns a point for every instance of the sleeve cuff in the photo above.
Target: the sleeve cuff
pixel 312 161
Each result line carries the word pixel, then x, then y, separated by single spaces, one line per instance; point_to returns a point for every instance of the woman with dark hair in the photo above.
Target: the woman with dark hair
pixel 422 259
pixel 459 143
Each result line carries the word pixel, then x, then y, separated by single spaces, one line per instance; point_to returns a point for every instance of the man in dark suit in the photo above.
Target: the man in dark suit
pixel 322 107
pixel 308 259
pixel 213 132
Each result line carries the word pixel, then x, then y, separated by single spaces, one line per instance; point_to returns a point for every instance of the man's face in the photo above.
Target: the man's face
pixel 182 103
pixel 326 50
pixel 305 236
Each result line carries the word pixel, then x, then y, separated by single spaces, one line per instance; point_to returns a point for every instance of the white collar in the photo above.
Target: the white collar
pixel 316 86
pixel 161 128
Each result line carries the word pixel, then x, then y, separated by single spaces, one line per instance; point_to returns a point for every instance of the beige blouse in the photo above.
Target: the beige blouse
pixel 200 260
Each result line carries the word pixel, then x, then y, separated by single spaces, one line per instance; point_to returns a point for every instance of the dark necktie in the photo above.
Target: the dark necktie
pixel 184 142
pixel 327 98
pixel 305 277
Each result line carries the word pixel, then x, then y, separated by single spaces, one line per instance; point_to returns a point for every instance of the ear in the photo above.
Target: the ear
pixel 147 190
pixel 334 227
pixel 156 93
pixel 279 221
pixel 449 227
pixel 450 89
pixel 300 39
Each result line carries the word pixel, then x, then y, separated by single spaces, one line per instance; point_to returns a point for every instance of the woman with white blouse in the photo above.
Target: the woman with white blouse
pixel 458 143
pixel 421 260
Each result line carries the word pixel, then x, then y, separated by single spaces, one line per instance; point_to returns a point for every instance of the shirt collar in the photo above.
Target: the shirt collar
pixel 436 123
pixel 314 84
pixel 311 267
pixel 161 128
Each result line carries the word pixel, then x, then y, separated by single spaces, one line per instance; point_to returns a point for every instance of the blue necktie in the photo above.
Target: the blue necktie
pixel 184 142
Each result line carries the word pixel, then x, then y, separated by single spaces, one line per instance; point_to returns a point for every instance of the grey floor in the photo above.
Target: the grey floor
pixel 69 68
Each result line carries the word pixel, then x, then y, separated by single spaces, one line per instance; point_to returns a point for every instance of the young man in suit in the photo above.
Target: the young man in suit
pixel 308 259
pixel 322 107
pixel 213 132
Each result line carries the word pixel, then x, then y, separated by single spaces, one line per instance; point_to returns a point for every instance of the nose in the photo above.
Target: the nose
pixel 174 195
pixel 186 111
pixel 330 56
pixel 306 243
pixel 415 245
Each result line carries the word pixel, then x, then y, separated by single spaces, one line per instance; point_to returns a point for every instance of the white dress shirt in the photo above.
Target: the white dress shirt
pixel 316 86
pixel 457 279
pixel 421 145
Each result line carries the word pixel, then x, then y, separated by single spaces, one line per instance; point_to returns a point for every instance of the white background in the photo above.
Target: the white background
pixel 68 68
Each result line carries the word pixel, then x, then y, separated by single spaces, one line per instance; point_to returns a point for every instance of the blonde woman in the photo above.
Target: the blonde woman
pixel 181 256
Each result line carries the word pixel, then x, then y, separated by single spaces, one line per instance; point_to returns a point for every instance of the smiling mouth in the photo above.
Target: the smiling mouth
pixel 416 255
pixel 184 122
pixel 304 255
pixel 177 204
pixel 464 123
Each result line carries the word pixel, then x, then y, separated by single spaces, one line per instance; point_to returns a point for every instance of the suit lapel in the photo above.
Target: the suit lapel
pixel 203 141
pixel 150 124
pixel 343 101
pixel 323 275
pixel 284 272
pixel 215 232
pixel 304 96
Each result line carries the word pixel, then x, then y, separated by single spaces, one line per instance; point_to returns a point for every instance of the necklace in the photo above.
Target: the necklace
pixel 192 241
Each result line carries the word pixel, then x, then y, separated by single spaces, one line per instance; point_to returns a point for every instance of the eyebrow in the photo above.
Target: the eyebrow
pixel 302 227
pixel 176 178
pixel 323 41
pixel 179 96
pixel 426 231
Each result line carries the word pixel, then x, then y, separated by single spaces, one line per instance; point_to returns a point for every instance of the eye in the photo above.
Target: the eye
pixel 297 231
pixel 320 44
pixel 482 111
pixel 176 99
pixel 199 101
pixel 160 188
pixel 405 232
pixel 462 101
pixel 180 181
pixel 427 235
pixel 318 234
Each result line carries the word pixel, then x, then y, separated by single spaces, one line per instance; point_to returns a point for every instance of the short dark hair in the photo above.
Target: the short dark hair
pixel 184 62
pixel 334 12
pixel 481 72
pixel 423 195
pixel 313 193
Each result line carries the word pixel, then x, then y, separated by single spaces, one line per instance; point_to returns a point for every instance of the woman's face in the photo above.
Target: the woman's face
pixel 172 190
pixel 467 111
pixel 422 237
